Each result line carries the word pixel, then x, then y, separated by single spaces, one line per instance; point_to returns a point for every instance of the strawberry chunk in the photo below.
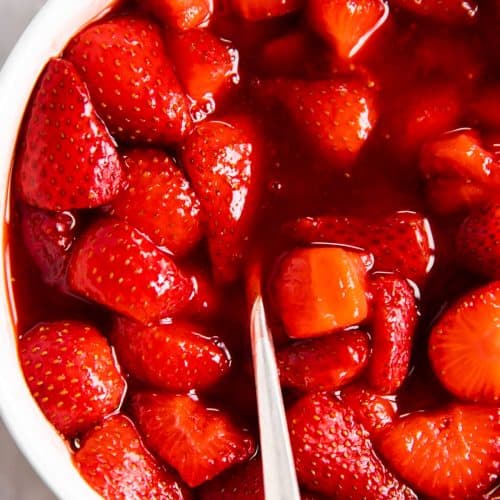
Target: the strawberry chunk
pixel 131 80
pixel 486 106
pixel 159 201
pixel 117 266
pixel 324 364
pixel 317 290
pixel 347 25
pixel 180 14
pixel 224 163
pixel 72 374
pixel 443 11
pixel 63 129
pixel 177 356
pixel 206 300
pixel 478 241
pixel 464 346
pixel 257 10
pixel 401 242
pixel 393 323
pixel 453 452
pixel 333 453
pixel 196 441
pixel 114 461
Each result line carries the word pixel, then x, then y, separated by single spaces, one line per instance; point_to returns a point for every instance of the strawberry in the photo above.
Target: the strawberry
pixel 196 441
pixel 67 159
pixel 114 461
pixel 159 201
pixel 485 106
pixel 317 290
pixel 257 10
pixel 453 452
pixel 223 161
pixel 460 173
pixel 117 266
pixel 401 242
pixel 393 323
pixel 180 14
pixel 347 25
pixel 442 11
pixel 131 80
pixel 478 241
pixel 49 236
pixel 373 411
pixel 324 364
pixel 72 374
pixel 174 356
pixel 333 453
pixel 206 300
pixel 464 346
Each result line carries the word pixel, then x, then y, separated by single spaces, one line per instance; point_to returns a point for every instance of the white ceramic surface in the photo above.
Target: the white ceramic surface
pixel 45 37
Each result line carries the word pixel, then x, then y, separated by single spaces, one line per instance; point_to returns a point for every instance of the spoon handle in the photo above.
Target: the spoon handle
pixel 280 479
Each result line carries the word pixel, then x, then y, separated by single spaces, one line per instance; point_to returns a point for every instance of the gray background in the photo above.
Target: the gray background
pixel 17 480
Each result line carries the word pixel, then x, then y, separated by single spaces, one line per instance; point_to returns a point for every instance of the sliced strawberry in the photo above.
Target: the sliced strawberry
pixel 373 411
pixel 393 323
pixel 176 356
pixel 464 347
pixel 117 266
pixel 49 236
pixel 180 14
pixel 131 80
pixel 114 461
pixel 401 242
pixel 72 374
pixel 324 364
pixel 197 441
pixel 333 453
pixel 347 24
pixel 257 10
pixel 443 11
pixel 67 159
pixel 317 290
pixel 453 452
pixel 159 201
pixel 223 161
pixel 486 106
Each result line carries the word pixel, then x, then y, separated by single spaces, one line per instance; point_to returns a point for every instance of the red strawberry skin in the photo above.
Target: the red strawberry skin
pixel 324 364
pixel 464 346
pixel 175 356
pixel 478 241
pixel 114 461
pixel 117 266
pixel 159 201
pixel 224 163
pixel 198 442
pixel 443 11
pixel 393 324
pixel 67 159
pixel 131 80
pixel 401 242
pixel 333 453
pixel 453 452
pixel 72 374
pixel 180 14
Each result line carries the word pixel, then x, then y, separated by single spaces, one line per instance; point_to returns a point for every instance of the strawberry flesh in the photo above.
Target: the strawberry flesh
pixel 180 14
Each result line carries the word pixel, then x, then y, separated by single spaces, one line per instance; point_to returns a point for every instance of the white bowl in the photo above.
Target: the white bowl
pixel 46 36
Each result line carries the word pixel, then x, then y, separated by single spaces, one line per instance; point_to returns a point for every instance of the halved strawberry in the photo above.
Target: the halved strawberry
pixel 257 10
pixel 117 266
pixel 131 80
pixel 115 462
pixel 180 14
pixel 485 106
pixel 464 346
pixel 223 160
pixel 67 159
pixel 443 11
pixel 324 364
pixel 393 322
pixel 159 201
pixel 72 374
pixel 478 241
pixel 401 242
pixel 453 452
pixel 347 24
pixel 197 441
pixel 333 453
pixel 317 290
pixel 176 356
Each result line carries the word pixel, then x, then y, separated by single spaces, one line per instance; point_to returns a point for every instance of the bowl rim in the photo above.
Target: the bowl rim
pixel 45 37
